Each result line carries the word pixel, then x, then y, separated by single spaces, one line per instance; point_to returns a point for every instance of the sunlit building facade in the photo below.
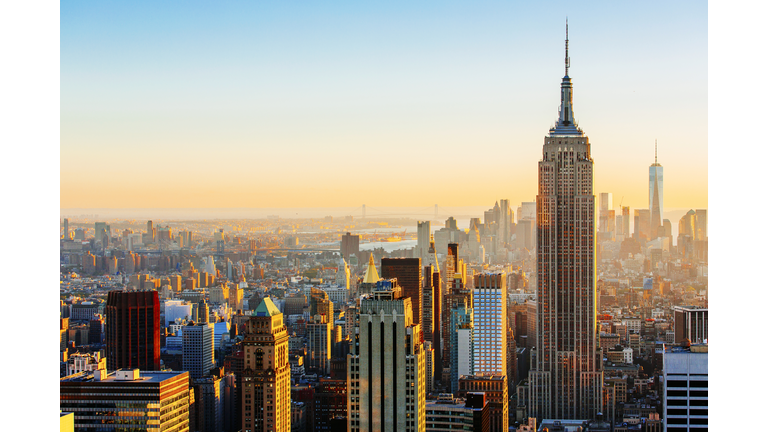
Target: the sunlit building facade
pixel 489 306
pixel 266 392
pixel 386 383
pixel 566 381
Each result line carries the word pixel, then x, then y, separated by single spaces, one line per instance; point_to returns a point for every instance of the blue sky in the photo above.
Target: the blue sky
pixel 347 85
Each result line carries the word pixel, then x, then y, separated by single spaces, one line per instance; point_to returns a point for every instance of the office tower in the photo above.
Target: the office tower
pixel 95 330
pixel 625 221
pixel 203 312
pixel 566 381
pixel 318 358
pixel 656 194
pixel 150 233
pixel 526 234
pixel 236 298
pixel 101 229
pixel 350 245
pixel 133 330
pixel 197 349
pixel 462 344
pixel 496 391
pixel 446 414
pixel 451 223
pixel 320 304
pixel 213 405
pixel 606 205
pixel 65 236
pixel 691 323
pixel 433 303
pixel 408 274
pixel 700 225
pixel 457 296
pixel 506 219
pixel 435 295
pixel 266 394
pixel 342 274
pixel 642 224
pixel 385 367
pixel 451 261
pixel 423 238
pixel 685 392
pixel 489 303
pixel 128 405
pixel 330 403
pixel 429 367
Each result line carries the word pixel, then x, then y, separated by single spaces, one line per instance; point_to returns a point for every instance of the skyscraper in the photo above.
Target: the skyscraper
pixel 318 359
pixel 567 379
pixel 408 274
pixel 385 368
pixel 133 330
pixel 350 245
pixel 266 394
pixel 656 194
pixel 506 218
pixel 423 237
pixel 489 303
pixel 197 349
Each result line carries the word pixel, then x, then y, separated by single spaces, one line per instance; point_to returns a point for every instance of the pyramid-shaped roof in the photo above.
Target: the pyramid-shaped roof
pixel 371 275
pixel 266 308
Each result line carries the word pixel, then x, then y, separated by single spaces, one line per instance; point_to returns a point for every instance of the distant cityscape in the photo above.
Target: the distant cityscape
pixel 568 312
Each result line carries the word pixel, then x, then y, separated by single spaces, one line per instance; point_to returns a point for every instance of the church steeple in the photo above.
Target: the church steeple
pixel 566 125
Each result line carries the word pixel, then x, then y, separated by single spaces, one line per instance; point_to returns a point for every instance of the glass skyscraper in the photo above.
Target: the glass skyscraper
pixel 656 194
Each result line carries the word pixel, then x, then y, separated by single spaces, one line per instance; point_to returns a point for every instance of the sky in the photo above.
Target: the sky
pixel 267 104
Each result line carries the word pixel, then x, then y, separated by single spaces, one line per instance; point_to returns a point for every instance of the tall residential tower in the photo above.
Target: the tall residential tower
pixel 566 380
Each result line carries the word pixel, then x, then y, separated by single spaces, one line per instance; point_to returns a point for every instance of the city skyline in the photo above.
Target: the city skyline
pixel 192 118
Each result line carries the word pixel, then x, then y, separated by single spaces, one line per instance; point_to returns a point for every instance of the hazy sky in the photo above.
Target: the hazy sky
pixel 266 104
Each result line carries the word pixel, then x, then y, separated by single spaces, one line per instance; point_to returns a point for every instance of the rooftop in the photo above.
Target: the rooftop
pixel 145 377
pixel 266 308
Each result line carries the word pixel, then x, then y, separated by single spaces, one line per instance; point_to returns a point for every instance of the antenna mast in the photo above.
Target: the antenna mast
pixel 567 59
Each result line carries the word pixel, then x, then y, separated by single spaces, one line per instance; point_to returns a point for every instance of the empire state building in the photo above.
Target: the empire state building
pixel 567 379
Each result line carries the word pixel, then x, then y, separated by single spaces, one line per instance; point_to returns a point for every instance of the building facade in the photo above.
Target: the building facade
pixel 133 330
pixel 489 303
pixel 197 349
pixel 408 274
pixel 127 400
pixel 266 393
pixel 566 381
pixel 385 369
pixel 685 391
pixel 656 194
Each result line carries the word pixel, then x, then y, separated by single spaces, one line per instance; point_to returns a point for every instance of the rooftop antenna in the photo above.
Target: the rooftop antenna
pixel 656 151
pixel 567 59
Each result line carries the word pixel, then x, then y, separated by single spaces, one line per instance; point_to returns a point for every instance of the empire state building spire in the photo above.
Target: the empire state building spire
pixel 566 125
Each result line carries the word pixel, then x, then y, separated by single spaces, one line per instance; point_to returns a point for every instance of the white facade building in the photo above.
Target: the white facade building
pixel 197 351
pixel 489 304
pixel 685 391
